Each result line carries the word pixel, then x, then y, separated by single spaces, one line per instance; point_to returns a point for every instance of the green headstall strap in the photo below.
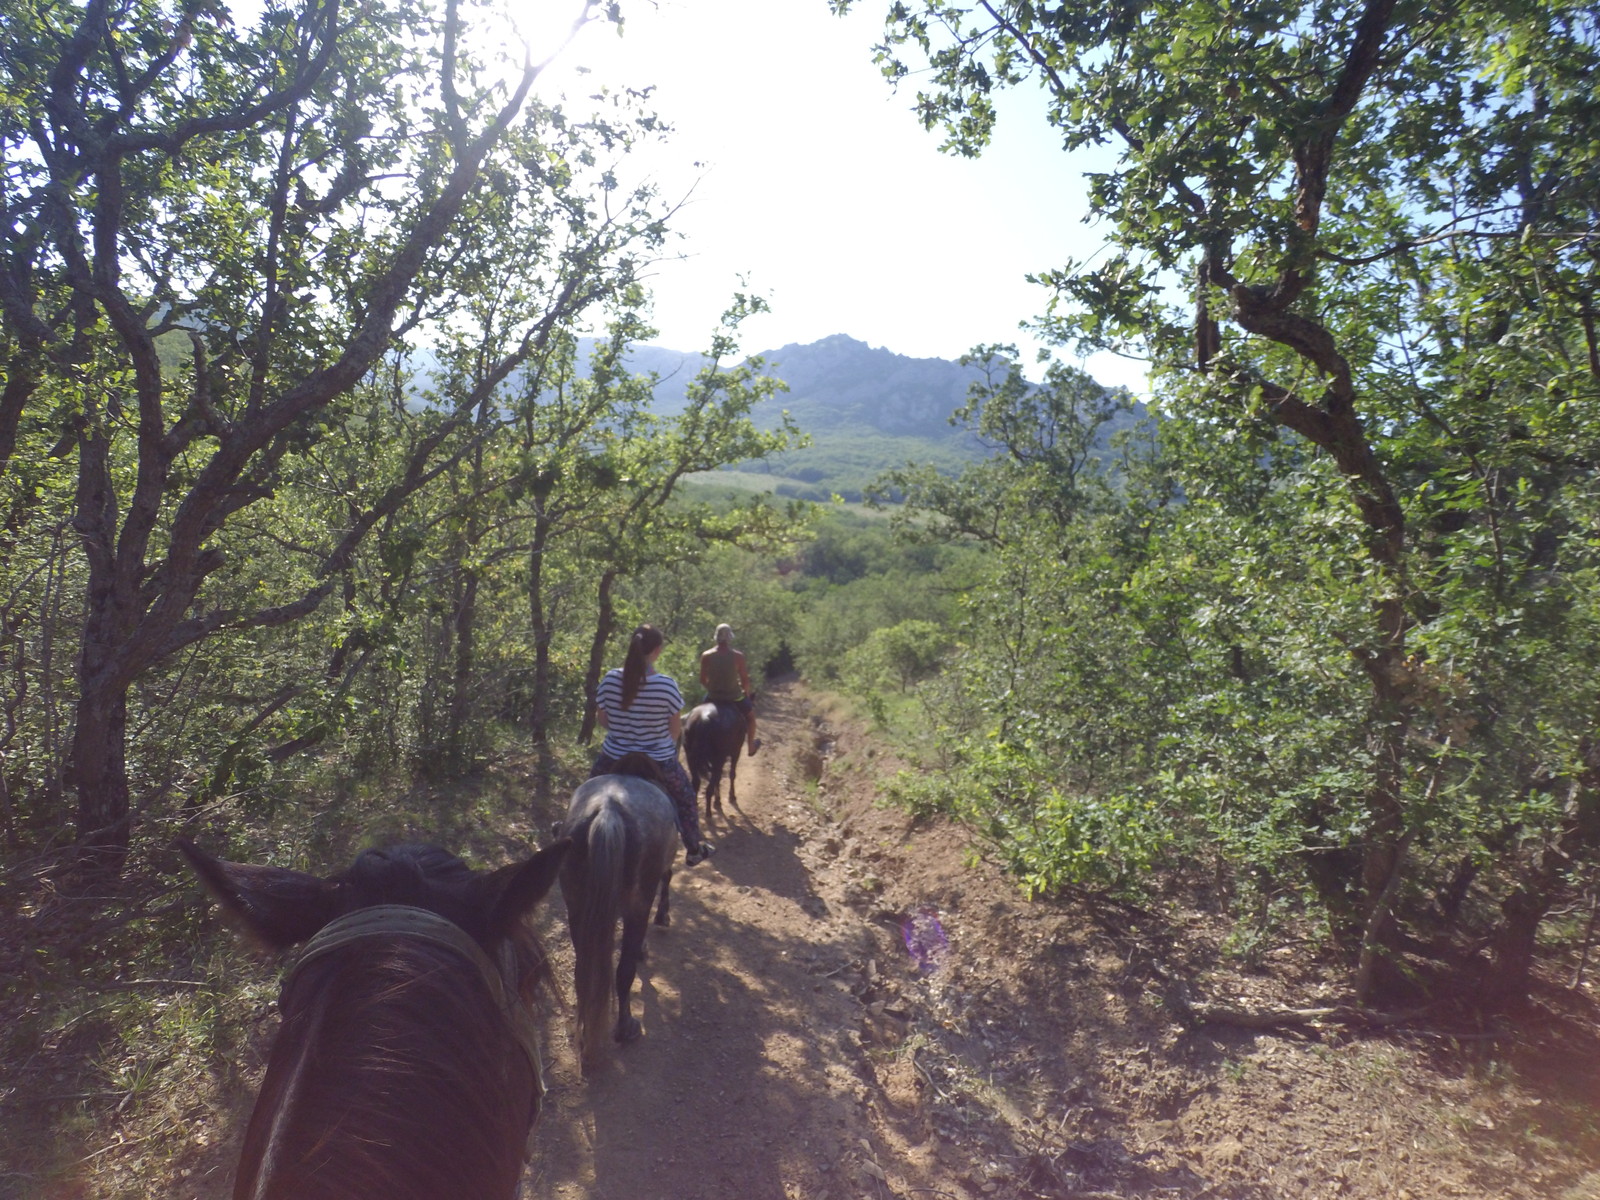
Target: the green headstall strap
pixel 402 920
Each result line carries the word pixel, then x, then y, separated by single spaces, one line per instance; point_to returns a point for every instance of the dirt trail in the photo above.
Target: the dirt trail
pixel 794 1051
pixel 747 1082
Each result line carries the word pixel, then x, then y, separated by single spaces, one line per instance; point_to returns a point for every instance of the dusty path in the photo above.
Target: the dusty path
pixel 747 1081
pixel 794 1051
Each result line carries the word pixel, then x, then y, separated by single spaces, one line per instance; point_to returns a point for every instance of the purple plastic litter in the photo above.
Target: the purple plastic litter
pixel 925 939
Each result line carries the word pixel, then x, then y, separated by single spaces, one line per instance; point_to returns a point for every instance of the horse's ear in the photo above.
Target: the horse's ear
pixel 278 906
pixel 507 895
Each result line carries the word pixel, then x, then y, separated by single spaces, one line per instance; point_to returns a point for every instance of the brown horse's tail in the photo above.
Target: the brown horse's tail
pixel 712 735
pixel 594 931
pixel 697 746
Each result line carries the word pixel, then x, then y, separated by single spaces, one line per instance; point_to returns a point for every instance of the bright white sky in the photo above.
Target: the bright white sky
pixel 814 181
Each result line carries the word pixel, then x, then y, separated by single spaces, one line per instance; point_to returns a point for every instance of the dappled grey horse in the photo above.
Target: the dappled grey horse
pixel 624 833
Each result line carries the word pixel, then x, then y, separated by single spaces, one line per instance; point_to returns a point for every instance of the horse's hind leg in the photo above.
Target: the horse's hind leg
pixel 633 931
pixel 733 777
pixel 663 905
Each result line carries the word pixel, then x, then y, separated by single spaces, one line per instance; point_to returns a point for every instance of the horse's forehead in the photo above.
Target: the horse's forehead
pixel 415 857
pixel 425 876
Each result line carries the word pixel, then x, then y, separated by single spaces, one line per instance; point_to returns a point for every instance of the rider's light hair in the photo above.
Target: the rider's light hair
pixel 724 635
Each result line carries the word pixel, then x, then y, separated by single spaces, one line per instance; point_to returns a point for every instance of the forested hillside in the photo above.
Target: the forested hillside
pixel 864 410
pixel 839 382
pixel 337 464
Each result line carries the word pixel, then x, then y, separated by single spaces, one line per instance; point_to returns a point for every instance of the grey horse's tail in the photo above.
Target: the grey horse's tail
pixel 605 843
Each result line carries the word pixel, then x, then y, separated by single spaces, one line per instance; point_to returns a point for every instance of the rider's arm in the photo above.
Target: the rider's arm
pixel 705 669
pixel 675 726
pixel 744 675
pixel 600 718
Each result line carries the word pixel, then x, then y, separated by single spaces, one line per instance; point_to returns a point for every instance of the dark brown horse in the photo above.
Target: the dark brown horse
pixel 624 833
pixel 407 1064
pixel 713 738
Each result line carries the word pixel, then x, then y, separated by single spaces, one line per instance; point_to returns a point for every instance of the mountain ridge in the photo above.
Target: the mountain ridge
pixel 850 378
pixel 867 409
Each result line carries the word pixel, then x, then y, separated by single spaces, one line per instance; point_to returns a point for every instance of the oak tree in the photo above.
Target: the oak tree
pixel 291 201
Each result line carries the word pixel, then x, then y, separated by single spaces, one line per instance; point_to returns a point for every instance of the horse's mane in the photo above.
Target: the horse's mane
pixel 392 1048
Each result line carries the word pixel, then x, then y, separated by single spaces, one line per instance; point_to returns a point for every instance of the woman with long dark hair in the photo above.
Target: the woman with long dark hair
pixel 639 708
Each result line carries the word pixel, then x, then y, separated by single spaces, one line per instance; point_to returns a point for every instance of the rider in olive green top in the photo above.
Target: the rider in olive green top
pixel 726 678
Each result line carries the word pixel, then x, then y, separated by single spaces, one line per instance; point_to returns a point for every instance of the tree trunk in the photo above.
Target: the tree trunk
pixel 1514 943
pixel 1454 894
pixel 97 770
pixel 22 380
pixel 605 621
pixel 1511 952
pixel 1332 422
pixel 1388 720
pixel 461 708
pixel 538 622
pixel 98 773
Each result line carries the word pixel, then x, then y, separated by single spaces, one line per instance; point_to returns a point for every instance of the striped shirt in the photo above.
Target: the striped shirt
pixel 644 725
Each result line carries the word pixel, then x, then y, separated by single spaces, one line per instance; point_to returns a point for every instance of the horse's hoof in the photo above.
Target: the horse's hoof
pixel 628 1029
pixel 663 920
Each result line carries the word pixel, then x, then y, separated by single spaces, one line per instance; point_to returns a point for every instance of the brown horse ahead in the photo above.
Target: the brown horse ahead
pixel 406 1066
pixel 713 737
